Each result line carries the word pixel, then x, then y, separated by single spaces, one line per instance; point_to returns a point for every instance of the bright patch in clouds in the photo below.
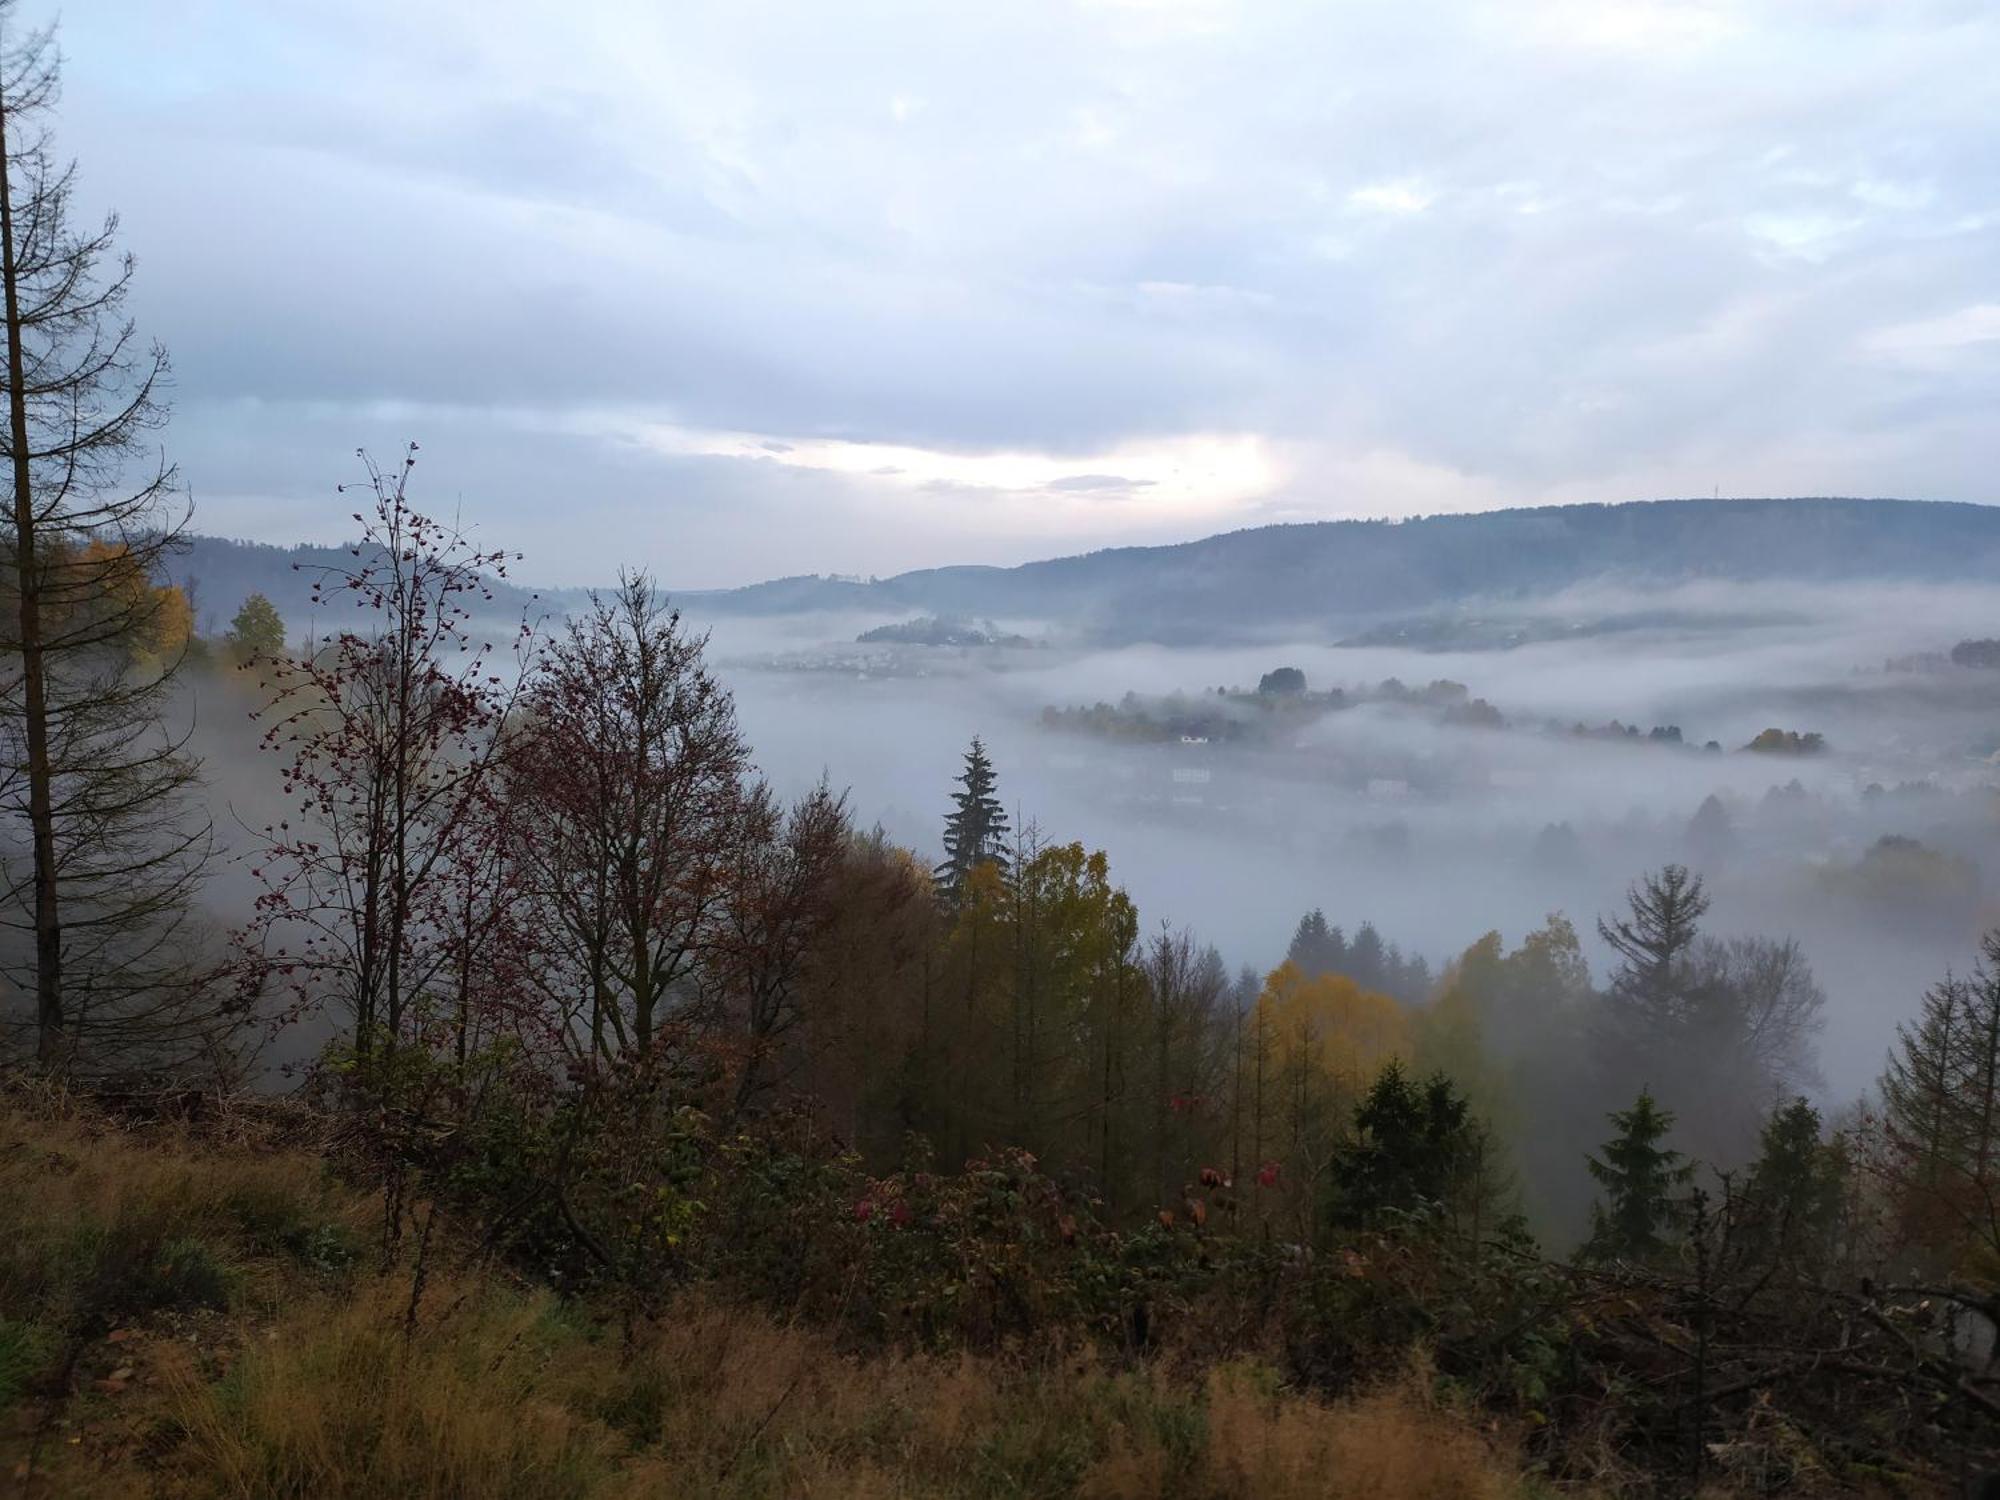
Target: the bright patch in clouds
pixel 1402 197
pixel 1201 474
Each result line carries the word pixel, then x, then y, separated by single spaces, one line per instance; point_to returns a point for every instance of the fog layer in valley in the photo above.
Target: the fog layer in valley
pixel 1438 829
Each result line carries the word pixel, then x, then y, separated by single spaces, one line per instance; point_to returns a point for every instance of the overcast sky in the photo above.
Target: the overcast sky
pixel 742 289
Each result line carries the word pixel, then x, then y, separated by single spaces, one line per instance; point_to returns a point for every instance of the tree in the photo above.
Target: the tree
pixel 99 787
pixel 257 633
pixel 877 1045
pixel 1649 991
pixel 1941 1118
pixel 1414 1146
pixel 976 828
pixel 633 770
pixel 1282 681
pixel 1728 1025
pixel 1312 1048
pixel 778 907
pixel 1193 1040
pixel 1367 957
pixel 1710 833
pixel 1510 1031
pixel 1642 1180
pixel 393 750
pixel 1316 947
pixel 1758 1006
pixel 1795 1189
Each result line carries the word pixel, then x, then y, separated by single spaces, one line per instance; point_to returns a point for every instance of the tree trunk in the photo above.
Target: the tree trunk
pixel 51 1041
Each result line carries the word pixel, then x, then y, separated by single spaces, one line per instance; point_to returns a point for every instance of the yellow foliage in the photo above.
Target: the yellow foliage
pixel 107 583
pixel 1331 1026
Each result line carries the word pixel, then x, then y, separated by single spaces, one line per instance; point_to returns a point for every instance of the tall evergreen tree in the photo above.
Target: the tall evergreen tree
pixel 1366 956
pixel 975 831
pixel 1650 990
pixel 1642 1178
pixel 1317 948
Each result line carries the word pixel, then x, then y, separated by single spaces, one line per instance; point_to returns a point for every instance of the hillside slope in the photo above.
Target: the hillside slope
pixel 1329 574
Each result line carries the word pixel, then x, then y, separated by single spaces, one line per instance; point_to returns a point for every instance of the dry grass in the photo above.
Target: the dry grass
pixel 504 1396
pixel 289 1372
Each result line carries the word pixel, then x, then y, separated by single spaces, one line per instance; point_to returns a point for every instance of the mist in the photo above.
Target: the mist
pixel 1439 832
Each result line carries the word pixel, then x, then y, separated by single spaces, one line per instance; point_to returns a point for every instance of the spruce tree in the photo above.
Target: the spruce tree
pixel 1794 1188
pixel 975 830
pixel 1641 1178
pixel 1366 956
pixel 1650 990
pixel 1413 1144
pixel 1317 948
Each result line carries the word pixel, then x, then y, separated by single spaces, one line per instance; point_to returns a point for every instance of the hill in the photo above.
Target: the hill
pixel 1328 575
pixel 220 573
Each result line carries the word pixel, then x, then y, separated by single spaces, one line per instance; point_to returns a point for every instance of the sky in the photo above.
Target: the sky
pixel 738 290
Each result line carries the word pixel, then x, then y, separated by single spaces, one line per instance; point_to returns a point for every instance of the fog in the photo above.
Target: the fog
pixel 1439 831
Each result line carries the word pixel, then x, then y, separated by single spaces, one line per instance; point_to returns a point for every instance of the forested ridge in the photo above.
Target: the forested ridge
pixel 1338 575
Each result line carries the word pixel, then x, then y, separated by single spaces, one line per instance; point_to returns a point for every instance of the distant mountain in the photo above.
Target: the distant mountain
pixel 222 573
pixel 1329 575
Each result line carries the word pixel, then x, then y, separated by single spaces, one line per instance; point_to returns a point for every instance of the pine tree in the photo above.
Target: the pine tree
pixel 1641 1178
pixel 975 830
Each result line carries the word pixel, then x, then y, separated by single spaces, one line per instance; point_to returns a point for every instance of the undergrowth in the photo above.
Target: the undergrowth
pixel 193 1316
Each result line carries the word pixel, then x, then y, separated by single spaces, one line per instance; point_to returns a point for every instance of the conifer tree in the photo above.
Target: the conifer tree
pixel 1794 1189
pixel 1639 1212
pixel 1317 948
pixel 976 828
pixel 1650 990
pixel 1366 957
pixel 1413 1143
pixel 1941 1108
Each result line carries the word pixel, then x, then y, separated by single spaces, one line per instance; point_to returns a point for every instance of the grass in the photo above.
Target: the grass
pixel 189 1319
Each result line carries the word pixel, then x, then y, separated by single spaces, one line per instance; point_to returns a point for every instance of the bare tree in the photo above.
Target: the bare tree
pixel 631 771
pixel 1762 1008
pixel 100 883
pixel 388 887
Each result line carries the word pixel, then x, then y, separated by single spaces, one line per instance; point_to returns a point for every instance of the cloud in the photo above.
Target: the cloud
pixel 1232 253
pixel 1403 197
pixel 1967 327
